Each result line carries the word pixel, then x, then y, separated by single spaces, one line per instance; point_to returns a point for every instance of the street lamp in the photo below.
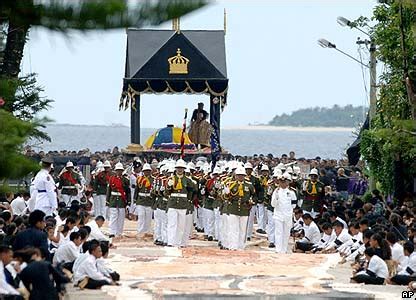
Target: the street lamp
pixel 327 44
pixel 345 22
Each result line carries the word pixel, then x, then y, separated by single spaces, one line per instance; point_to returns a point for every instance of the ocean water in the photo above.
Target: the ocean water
pixel 326 143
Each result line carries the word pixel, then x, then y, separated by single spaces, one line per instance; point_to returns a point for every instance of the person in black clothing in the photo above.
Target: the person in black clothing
pixel 37 275
pixel 397 227
pixel 341 184
pixel 200 113
pixel 324 178
pixel 34 236
pixel 380 246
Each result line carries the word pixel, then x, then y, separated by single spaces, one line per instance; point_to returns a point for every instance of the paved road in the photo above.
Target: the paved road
pixel 203 271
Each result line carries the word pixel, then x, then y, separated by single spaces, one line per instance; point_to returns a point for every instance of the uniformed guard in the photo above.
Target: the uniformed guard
pixel 283 200
pixel 272 186
pixel 261 210
pixel 192 196
pixel 69 184
pixel 118 193
pixel 313 194
pixel 258 190
pixel 100 184
pixel 144 201
pixel 178 187
pixel 210 194
pixel 45 189
pixel 137 166
pixel 239 194
pixel 160 227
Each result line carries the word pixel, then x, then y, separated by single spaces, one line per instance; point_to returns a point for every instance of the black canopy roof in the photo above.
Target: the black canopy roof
pixel 148 68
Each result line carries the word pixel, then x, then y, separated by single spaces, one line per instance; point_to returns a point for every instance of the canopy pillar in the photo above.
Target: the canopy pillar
pixel 135 120
pixel 215 115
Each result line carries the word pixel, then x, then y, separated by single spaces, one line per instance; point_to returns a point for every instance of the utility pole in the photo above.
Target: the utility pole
pixel 373 82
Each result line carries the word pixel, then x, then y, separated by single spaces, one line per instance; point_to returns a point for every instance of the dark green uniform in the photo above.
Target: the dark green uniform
pixel 240 198
pixel 313 194
pixel 143 194
pixel 118 191
pixel 67 182
pixel 178 193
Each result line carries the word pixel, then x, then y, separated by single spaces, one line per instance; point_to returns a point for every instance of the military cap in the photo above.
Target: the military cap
pixel 47 160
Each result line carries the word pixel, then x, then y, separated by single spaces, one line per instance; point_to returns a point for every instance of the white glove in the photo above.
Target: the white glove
pixel 170 182
pixel 226 190
pixel 202 191
pixel 217 185
pixel 162 188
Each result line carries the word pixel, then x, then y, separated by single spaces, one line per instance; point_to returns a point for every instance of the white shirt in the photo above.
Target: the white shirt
pixel 5 288
pixel 18 206
pixel 79 261
pixel 326 239
pixel 397 254
pixel 342 221
pixel 282 203
pixel 377 266
pixel 89 269
pixel 45 192
pixel 298 224
pixel 96 232
pixel 355 253
pixel 342 238
pixel 410 268
pixel 103 268
pixel 312 233
pixel 67 252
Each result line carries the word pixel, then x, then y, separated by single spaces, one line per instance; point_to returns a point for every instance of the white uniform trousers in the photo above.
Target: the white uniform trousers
pixel 237 232
pixel 117 216
pixel 209 222
pixel 224 230
pixel 200 220
pixel 203 218
pixel 251 221
pixel 157 229
pixel 217 223
pixel 270 227
pixel 144 218
pixel 195 216
pixel 100 207
pixel 261 216
pixel 188 229
pixel 164 230
pixel 282 233
pixel 132 203
pixel 176 226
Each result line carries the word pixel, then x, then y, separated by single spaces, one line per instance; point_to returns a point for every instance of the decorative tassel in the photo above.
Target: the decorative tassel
pixel 314 191
pixel 179 184
pixel 240 190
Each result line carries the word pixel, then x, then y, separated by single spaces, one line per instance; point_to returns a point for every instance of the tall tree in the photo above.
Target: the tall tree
pixel 389 147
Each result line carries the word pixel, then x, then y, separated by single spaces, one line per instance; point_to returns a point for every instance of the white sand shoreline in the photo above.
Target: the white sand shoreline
pixel 288 128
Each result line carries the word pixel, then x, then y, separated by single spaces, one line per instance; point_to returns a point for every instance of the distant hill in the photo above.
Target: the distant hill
pixel 336 116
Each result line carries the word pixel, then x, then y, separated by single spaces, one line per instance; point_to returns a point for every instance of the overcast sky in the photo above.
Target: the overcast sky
pixel 274 64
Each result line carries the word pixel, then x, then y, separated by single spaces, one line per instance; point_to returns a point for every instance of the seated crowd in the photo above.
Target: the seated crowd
pixel 40 254
pixel 375 238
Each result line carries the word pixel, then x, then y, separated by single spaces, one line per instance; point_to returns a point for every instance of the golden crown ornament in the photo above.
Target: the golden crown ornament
pixel 178 64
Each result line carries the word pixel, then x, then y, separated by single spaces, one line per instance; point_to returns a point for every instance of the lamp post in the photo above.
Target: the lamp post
pixel 372 66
